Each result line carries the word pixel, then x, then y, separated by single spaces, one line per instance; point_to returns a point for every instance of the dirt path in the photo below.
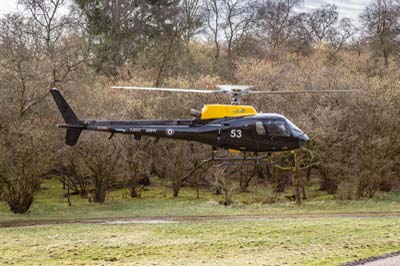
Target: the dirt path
pixel 391 259
pixel 170 219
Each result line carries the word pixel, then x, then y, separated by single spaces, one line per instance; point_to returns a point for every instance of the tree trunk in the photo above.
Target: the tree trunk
pixel 83 191
pixel 297 188
pixel 227 197
pixel 296 180
pixel 115 31
pixel 175 191
pixel 134 192
pixel 197 186
pixel 164 61
pixel 260 173
pixel 63 182
pixel 69 194
pixel 280 182
pixel 22 204
pixel 100 194
pixel 244 183
pixel 327 183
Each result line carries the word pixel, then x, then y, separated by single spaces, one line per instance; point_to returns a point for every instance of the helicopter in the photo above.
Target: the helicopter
pixel 234 127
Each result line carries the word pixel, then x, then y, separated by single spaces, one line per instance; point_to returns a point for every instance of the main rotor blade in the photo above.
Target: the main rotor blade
pixel 304 91
pixel 166 89
pixel 235 88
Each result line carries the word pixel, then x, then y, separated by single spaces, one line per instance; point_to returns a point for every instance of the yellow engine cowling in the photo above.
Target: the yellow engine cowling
pixel 215 111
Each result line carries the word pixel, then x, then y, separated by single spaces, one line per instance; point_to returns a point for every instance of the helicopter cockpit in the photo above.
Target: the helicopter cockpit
pixel 273 128
pixel 297 133
pixel 277 126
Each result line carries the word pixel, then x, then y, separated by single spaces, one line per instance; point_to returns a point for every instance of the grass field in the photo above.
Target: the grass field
pixel 313 238
pixel 50 203
pixel 325 241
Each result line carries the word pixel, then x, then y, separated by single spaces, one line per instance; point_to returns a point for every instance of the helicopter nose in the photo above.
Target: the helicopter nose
pixel 303 139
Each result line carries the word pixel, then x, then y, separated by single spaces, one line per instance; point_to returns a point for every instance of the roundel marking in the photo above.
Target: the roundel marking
pixel 170 132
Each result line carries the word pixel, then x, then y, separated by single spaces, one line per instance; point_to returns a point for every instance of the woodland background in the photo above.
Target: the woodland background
pixel 83 47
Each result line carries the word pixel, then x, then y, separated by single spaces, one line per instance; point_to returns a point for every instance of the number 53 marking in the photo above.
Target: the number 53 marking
pixel 236 133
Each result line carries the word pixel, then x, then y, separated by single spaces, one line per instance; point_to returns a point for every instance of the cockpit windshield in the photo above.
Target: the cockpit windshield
pixel 277 128
pixel 296 131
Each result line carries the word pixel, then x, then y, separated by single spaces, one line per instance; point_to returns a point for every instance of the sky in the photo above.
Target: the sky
pixel 346 8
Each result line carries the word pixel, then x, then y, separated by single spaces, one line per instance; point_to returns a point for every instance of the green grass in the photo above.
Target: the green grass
pixel 325 241
pixel 288 240
pixel 157 201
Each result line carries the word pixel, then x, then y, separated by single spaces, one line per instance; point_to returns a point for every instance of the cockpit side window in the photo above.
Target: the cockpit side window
pixel 260 128
pixel 277 128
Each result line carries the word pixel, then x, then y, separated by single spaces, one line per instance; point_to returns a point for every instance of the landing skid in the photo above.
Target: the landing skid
pixel 242 160
pixel 253 161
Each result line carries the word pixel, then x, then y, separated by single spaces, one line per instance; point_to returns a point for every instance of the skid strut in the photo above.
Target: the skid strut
pixel 249 160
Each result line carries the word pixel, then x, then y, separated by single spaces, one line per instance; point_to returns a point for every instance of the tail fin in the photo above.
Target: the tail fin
pixel 66 111
pixel 72 136
pixel 70 118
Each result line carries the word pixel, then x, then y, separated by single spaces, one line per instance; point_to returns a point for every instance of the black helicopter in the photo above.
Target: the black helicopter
pixel 230 127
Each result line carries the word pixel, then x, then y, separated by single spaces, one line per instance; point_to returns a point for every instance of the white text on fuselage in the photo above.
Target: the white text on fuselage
pixel 145 130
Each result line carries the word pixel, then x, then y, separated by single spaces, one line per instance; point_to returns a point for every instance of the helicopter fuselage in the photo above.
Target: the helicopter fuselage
pixel 256 133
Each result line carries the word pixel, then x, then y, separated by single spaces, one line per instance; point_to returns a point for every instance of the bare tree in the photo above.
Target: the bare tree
pixel 238 23
pixel 20 64
pixel 298 161
pixel 67 169
pixel 192 18
pixel 176 162
pixel 49 24
pixel 213 11
pixel 230 23
pixel 100 158
pixel 22 163
pixel 322 25
pixel 246 174
pixel 277 20
pixel 321 21
pixel 340 36
pixel 220 178
pixel 137 162
pixel 24 151
pixel 50 29
pixel 382 27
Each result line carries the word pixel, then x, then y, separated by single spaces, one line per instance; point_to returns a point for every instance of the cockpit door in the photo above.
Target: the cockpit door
pixel 261 135
pixel 278 134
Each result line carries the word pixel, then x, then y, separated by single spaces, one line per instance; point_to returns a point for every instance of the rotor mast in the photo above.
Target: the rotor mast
pixel 235 91
pixel 235 99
